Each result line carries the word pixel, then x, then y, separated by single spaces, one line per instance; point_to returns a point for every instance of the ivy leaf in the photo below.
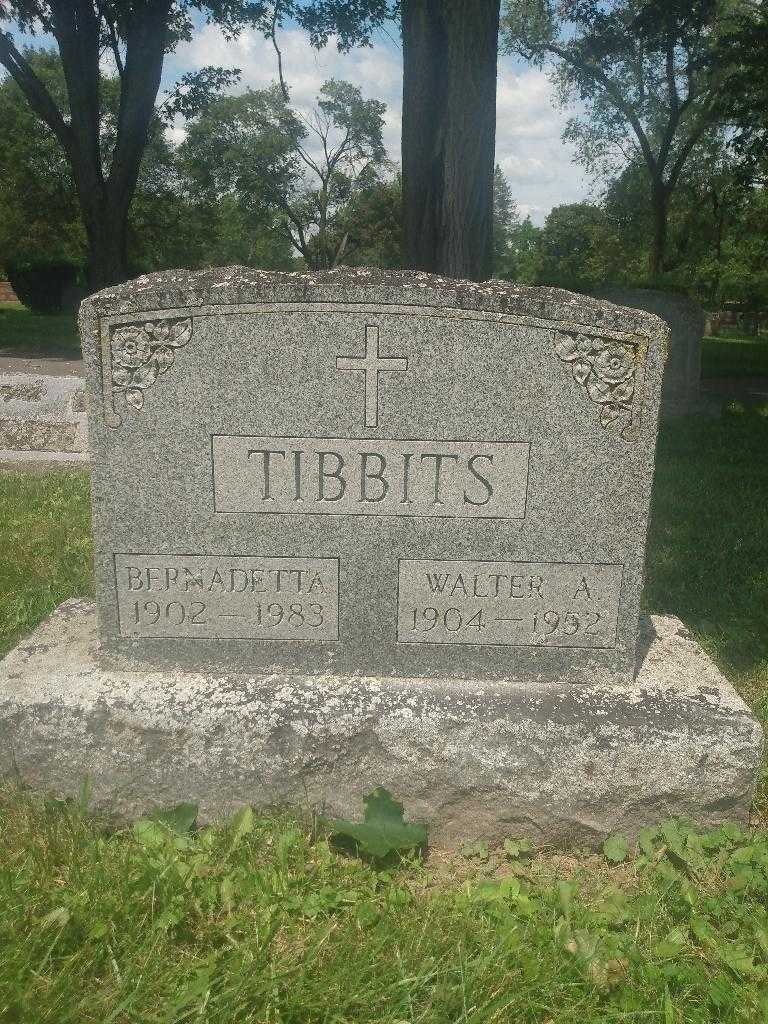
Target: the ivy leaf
pixel 182 818
pixel 477 850
pixel 514 848
pixel 616 849
pixel 383 829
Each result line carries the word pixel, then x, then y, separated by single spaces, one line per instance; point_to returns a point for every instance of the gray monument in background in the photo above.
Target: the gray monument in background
pixel 365 528
pixel 681 390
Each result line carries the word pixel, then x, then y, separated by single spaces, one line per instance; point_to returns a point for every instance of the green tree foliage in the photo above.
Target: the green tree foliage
pixel 649 74
pixel 305 176
pixel 516 242
pixel 373 223
pixel 575 247
pixel 169 224
pixel 505 220
pixel 38 208
pixel 105 166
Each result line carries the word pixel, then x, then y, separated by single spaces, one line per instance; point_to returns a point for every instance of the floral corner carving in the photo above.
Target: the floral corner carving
pixel 141 353
pixel 606 369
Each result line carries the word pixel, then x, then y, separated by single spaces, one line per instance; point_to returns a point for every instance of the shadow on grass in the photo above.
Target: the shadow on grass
pixel 708 541
pixel 34 335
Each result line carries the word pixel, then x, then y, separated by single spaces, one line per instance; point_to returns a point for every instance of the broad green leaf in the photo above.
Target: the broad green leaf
pixel 515 848
pixel 475 851
pixel 242 824
pixel 181 818
pixel 383 829
pixel 743 855
pixel 645 840
pixel 150 834
pixel 671 944
pixel 616 849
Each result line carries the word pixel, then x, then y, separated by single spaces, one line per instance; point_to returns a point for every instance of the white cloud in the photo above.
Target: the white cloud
pixel 529 147
pixel 529 125
pixel 377 71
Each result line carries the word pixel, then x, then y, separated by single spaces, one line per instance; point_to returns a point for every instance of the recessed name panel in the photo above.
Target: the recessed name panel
pixel 370 477
pixel 227 597
pixel 515 604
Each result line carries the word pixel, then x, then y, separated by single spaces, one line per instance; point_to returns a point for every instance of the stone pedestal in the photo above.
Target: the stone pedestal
pixel 563 763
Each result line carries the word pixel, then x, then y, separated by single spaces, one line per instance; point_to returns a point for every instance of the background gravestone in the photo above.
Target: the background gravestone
pixel 375 528
pixel 681 392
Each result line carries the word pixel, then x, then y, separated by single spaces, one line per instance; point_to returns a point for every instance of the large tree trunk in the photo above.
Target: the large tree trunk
pixel 449 126
pixel 107 231
pixel 660 206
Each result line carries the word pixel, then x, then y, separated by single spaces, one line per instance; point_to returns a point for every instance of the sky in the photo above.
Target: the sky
pixel 537 164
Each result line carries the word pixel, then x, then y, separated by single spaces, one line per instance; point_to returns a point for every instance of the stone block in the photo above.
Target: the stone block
pixel 561 762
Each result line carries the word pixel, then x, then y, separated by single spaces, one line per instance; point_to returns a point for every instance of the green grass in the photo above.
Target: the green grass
pixel 260 920
pixel 708 539
pixel 734 356
pixel 33 334
pixel 46 548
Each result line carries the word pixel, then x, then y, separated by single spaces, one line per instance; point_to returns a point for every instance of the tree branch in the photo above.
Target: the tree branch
pixel 144 54
pixel 614 95
pixel 273 37
pixel 38 97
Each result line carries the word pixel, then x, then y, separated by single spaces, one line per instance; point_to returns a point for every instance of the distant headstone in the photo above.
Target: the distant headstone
pixel 42 416
pixel 363 528
pixel 681 392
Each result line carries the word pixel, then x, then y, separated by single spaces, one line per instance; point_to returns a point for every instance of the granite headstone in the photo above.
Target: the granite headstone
pixel 364 528
pixel 390 475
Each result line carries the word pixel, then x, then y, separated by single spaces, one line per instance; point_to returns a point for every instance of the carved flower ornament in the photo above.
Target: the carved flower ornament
pixel 141 352
pixel 606 368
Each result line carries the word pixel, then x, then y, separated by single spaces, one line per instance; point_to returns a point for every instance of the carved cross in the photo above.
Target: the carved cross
pixel 371 364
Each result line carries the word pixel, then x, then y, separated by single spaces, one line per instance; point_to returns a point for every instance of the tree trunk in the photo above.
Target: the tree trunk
pixel 660 206
pixel 449 126
pixel 107 231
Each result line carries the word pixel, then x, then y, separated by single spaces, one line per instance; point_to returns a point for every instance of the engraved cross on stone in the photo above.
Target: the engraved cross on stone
pixel 371 364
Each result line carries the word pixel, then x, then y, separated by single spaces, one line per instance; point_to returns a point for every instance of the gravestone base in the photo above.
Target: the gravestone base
pixel 562 763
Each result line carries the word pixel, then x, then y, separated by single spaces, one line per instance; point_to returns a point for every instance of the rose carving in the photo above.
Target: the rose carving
pixel 604 367
pixel 141 352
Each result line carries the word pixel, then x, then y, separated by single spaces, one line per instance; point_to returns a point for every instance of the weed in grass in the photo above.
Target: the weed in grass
pixel 257 920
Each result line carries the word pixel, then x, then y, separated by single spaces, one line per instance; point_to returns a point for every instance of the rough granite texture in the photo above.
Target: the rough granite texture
pixel 539 408
pixel 560 762
pixel 41 413
pixel 681 390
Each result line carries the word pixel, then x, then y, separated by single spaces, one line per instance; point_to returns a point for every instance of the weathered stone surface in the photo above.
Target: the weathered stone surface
pixel 559 762
pixel 681 390
pixel 42 413
pixel 501 437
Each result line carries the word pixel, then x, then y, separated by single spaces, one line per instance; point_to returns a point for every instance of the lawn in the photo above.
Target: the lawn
pixel 734 356
pixel 260 919
pixel 34 334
